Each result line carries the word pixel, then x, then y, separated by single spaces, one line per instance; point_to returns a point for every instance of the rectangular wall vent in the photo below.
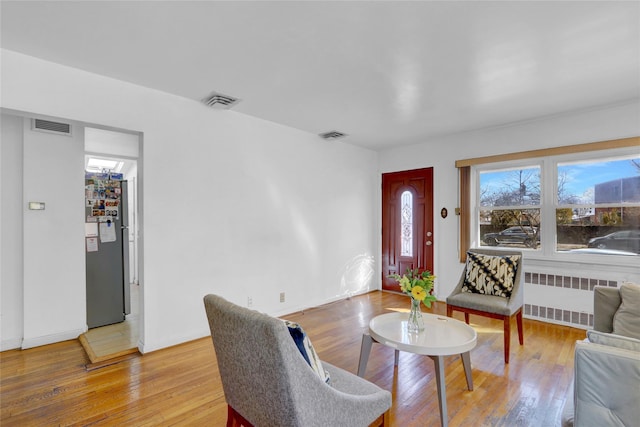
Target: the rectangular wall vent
pixel 53 127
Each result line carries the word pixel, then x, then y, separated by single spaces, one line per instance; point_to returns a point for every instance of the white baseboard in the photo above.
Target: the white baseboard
pixel 300 307
pixel 145 347
pixel 10 344
pixel 50 339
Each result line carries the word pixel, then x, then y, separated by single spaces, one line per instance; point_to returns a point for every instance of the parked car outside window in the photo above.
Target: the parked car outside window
pixel 627 240
pixel 527 236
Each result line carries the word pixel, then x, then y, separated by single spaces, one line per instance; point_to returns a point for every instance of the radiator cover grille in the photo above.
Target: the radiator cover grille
pixel 575 283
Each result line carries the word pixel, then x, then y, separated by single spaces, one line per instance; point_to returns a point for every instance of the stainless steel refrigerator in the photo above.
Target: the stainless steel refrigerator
pixel 107 250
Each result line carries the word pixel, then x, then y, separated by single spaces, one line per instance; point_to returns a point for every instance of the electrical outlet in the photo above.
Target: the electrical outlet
pixel 249 302
pixel 281 296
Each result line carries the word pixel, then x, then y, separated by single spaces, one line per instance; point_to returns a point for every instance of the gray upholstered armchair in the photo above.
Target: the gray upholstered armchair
pixel 495 306
pixel 267 382
pixel 606 385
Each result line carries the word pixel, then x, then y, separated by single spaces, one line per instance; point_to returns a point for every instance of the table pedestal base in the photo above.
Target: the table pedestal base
pixel 365 350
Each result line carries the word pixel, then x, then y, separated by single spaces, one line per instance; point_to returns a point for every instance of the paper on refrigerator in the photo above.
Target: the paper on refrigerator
pixel 107 232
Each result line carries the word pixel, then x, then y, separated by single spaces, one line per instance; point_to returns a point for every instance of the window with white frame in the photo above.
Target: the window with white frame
pixel 598 206
pixel 510 201
pixel 586 203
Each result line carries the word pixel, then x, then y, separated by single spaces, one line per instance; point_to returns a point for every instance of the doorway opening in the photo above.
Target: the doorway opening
pixel 113 286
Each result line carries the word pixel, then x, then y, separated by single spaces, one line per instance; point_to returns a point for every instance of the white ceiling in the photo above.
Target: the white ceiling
pixel 385 73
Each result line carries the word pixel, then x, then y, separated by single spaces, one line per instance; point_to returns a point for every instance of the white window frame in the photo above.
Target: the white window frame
pixel 549 203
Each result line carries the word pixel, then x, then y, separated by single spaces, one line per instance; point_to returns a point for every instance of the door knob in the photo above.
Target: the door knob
pixel 429 243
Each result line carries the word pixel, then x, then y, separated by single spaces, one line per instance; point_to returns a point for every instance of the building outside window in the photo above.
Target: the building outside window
pixel 599 206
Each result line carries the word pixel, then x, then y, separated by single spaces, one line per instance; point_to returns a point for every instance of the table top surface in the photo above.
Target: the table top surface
pixel 442 336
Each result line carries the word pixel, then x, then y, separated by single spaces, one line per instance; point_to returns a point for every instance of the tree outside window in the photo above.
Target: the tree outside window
pixel 510 207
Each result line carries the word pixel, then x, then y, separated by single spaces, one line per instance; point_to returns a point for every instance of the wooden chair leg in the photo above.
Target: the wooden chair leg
pixel 234 419
pixel 450 314
pixel 507 337
pixel 381 421
pixel 519 322
pixel 385 419
pixel 506 321
pixel 231 416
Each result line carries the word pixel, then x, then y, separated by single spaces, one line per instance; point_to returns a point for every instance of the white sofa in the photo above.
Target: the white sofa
pixel 606 387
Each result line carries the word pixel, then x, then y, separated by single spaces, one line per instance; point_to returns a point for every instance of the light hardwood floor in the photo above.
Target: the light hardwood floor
pixel 180 385
pixel 111 343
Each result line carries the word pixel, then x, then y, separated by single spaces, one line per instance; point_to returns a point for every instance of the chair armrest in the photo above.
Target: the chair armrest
pixel 606 385
pixel 347 382
pixel 605 304
pixel 517 296
pixel 458 287
pixel 348 398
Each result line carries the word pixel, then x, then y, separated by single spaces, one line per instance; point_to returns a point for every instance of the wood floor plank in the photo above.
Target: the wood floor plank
pixel 180 386
pixel 111 341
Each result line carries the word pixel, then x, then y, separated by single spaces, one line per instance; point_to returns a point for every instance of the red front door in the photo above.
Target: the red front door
pixel 407 223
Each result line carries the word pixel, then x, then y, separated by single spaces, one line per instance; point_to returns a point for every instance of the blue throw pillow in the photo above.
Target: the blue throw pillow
pixel 303 343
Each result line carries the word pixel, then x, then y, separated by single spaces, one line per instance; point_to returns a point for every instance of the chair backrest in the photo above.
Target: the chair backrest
pixel 517 296
pixel 261 369
pixel 606 302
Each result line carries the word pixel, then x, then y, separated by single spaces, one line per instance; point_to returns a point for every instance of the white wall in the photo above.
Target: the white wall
pixel 42 261
pixel 54 261
pixel 614 122
pixel 109 142
pixel 11 208
pixel 232 204
pixel 132 201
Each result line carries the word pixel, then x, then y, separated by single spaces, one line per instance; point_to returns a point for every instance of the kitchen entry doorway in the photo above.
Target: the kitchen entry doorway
pixel 407 223
pixel 117 153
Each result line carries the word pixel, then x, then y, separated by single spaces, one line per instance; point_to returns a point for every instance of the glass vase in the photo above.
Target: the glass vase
pixel 415 323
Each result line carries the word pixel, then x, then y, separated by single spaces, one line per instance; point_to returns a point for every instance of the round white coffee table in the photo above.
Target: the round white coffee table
pixel 442 336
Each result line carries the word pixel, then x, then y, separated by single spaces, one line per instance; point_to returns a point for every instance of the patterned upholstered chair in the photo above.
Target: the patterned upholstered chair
pixel 267 382
pixel 503 305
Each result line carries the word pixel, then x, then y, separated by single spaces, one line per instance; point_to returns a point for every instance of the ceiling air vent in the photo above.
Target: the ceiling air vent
pixel 220 101
pixel 53 127
pixel 334 134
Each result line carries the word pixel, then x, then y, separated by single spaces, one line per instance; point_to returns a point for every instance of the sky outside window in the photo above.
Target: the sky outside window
pixel 579 179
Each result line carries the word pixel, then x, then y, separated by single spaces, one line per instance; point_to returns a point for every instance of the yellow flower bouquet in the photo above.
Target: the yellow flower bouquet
pixel 417 285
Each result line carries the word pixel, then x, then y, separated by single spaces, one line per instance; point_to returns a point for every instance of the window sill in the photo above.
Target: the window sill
pixel 590 261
